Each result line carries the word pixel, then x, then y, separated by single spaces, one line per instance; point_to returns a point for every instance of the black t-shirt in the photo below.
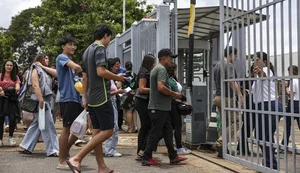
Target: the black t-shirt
pixel 144 74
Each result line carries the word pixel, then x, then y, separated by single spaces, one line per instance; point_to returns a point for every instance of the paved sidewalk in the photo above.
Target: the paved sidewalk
pixel 11 161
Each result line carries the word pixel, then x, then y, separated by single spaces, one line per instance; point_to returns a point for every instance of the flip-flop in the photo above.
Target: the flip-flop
pixel 112 171
pixel 73 168
pixel 62 167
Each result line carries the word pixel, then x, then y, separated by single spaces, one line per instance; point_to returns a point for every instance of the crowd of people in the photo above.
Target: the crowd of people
pixel 110 95
pixel 260 94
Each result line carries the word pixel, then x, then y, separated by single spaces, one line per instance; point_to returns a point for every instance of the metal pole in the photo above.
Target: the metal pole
pixel 175 25
pixel 124 16
pixel 191 43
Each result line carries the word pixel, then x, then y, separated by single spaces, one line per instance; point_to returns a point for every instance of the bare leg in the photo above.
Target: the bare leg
pixel 129 120
pixel 134 117
pixel 65 143
pixel 94 144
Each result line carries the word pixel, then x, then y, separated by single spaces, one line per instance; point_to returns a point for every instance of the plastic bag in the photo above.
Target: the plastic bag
pixel 42 118
pixel 79 126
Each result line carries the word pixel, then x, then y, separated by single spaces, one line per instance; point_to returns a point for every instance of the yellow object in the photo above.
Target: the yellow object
pixel 79 87
pixel 192 19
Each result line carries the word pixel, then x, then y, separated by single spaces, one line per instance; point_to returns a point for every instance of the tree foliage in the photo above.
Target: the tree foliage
pixel 79 18
pixel 21 29
pixel 6 40
pixel 39 29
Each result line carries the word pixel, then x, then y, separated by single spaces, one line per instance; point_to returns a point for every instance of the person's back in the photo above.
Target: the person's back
pixel 157 100
pixel 229 73
pixel 99 87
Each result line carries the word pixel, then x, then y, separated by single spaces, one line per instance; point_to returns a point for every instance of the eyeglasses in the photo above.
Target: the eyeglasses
pixel 72 45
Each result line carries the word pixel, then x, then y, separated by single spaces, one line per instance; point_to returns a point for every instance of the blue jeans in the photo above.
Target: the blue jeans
pixel 266 126
pixel 112 142
pixel 6 120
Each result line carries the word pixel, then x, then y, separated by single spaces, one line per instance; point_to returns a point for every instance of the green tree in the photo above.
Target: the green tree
pixel 79 19
pixel 6 40
pixel 23 32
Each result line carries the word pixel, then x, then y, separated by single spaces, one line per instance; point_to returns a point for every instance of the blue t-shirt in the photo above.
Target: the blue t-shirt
pixel 121 70
pixel 65 79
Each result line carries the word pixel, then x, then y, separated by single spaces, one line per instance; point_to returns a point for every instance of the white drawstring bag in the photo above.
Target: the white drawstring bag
pixel 79 126
pixel 42 118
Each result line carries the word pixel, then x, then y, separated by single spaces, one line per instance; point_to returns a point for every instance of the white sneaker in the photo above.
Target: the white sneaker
pixel 1 144
pixel 183 151
pixel 117 154
pixel 6 128
pixel 12 142
pixel 79 141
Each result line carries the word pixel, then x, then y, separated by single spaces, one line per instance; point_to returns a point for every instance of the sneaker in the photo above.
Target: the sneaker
pixel 6 128
pixel 1 144
pixel 117 154
pixel 150 162
pixel 177 160
pixel 183 151
pixel 12 142
pixel 79 141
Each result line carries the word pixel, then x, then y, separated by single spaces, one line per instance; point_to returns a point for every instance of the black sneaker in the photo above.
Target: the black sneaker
pixel 25 152
pixel 177 160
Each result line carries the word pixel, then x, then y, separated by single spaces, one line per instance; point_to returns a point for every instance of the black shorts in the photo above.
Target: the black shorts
pixel 102 117
pixel 69 112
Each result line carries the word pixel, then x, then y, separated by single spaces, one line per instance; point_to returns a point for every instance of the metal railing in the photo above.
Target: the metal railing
pixel 256 121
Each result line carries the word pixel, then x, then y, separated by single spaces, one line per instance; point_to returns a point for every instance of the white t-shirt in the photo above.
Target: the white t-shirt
pixel 262 95
pixel 295 89
pixel 179 86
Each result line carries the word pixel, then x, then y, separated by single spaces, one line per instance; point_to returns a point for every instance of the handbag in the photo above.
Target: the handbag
pixel 29 105
pixel 184 109
pixel 26 102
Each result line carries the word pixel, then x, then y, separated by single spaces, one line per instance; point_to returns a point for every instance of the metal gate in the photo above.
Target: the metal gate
pixel 259 110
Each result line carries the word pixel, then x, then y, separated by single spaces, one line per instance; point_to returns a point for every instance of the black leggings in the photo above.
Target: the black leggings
pixel 288 120
pixel 142 109
pixel 12 125
pixel 176 123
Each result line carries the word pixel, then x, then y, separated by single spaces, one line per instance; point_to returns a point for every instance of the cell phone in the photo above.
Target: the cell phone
pixel 127 89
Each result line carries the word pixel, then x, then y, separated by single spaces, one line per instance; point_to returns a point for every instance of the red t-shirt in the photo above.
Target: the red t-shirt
pixel 7 82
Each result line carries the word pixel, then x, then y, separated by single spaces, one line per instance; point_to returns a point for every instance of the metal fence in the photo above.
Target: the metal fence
pixel 264 105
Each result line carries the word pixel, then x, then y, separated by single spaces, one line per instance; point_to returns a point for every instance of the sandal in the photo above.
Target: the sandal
pixel 73 168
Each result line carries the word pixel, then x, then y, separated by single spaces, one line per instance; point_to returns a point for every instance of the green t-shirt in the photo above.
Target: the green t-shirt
pixel 157 100
pixel 173 85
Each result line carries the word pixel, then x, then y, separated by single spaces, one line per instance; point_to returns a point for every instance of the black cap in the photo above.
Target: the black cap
pixel 166 52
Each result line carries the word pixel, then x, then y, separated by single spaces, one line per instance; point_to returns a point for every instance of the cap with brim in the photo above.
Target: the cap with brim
pixel 166 52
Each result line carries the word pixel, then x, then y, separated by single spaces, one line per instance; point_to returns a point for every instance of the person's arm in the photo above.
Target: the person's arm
pixel 49 70
pixel 161 80
pixel 36 87
pixel 106 74
pixel 259 72
pixel 142 86
pixel 85 85
pixel 77 68
pixel 119 91
pixel 234 85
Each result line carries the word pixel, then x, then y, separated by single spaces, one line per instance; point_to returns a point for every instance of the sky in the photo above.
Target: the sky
pixel 10 8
